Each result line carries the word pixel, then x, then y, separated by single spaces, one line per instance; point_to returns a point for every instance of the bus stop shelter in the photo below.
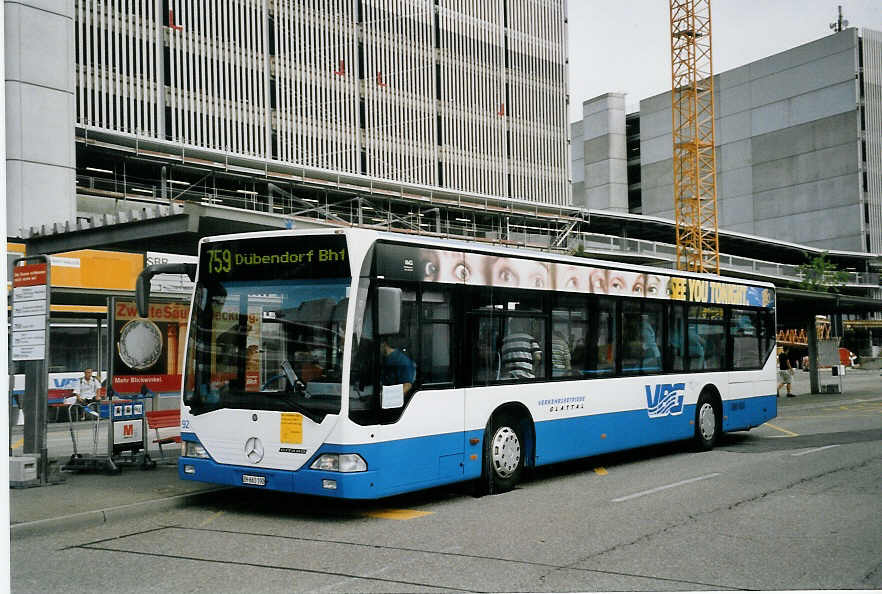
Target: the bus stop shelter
pixel 798 308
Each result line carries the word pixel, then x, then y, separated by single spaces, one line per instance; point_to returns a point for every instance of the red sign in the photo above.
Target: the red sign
pixel 159 312
pixel 131 384
pixel 29 276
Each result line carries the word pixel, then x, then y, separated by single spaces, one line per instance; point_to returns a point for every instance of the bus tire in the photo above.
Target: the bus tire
pixel 708 421
pixel 503 454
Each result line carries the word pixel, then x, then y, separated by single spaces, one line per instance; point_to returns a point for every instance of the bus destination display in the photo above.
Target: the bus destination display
pixel 275 258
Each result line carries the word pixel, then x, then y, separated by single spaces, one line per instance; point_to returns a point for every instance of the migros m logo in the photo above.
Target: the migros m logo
pixel 663 400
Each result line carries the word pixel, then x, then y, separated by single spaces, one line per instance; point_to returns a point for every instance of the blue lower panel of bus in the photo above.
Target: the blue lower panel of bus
pixel 393 467
pixel 410 464
pixel 745 413
pixel 579 437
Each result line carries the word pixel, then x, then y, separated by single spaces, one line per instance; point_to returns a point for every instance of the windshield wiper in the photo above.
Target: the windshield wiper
pixel 294 380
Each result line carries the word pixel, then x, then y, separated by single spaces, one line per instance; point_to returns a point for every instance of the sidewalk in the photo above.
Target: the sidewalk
pixel 857 385
pixel 89 499
pixel 92 498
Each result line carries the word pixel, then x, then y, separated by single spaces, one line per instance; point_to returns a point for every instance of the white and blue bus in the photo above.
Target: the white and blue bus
pixel 359 364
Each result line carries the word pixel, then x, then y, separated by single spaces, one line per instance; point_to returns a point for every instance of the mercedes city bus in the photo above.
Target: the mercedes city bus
pixel 360 364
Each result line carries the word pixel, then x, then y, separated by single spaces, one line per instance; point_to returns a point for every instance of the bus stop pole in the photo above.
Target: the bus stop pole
pixel 35 400
pixel 111 342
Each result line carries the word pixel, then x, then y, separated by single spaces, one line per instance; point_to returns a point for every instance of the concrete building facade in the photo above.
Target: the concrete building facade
pixel 799 144
pixel 460 95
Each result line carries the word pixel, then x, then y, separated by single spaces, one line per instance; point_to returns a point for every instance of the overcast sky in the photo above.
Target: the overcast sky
pixel 624 45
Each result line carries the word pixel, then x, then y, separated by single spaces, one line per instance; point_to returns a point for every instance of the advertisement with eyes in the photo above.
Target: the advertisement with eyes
pixel 573 279
pixel 621 282
pixel 441 266
pixel 507 272
pixel 655 286
pixel 634 284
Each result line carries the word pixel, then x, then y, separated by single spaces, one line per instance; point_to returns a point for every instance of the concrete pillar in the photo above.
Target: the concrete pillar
pixel 40 114
pixel 812 336
pixel 605 153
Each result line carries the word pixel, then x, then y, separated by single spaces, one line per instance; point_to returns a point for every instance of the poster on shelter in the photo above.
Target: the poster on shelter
pixel 148 351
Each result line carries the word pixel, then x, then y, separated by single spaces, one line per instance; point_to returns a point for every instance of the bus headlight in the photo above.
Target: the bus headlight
pixel 340 463
pixel 194 450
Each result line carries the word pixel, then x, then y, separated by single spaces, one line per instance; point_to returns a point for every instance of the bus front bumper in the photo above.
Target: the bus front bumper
pixel 355 485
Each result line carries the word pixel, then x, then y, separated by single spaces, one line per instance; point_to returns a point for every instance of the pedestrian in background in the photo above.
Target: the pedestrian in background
pixel 785 371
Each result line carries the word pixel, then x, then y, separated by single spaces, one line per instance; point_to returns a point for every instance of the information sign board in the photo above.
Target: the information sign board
pixel 30 306
pixel 29 275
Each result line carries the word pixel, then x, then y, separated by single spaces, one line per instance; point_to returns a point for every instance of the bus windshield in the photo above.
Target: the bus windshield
pixel 267 345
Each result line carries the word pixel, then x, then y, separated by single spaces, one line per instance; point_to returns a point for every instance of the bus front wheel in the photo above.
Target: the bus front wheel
pixel 708 422
pixel 503 454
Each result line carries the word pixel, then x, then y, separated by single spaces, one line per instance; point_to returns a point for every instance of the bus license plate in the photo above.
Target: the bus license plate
pixel 248 479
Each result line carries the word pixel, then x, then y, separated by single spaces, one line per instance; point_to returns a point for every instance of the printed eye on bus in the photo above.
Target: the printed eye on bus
pixel 359 364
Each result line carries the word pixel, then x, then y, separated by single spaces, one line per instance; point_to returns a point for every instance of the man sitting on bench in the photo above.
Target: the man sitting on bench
pixel 87 392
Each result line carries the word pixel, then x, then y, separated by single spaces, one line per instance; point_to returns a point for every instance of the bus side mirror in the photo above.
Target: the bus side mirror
pixel 142 294
pixel 142 283
pixel 389 304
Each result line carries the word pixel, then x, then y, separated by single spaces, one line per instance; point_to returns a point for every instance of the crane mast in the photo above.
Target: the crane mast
pixel 692 114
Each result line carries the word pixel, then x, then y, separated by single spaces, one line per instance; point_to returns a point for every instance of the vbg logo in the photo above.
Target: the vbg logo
pixel 665 399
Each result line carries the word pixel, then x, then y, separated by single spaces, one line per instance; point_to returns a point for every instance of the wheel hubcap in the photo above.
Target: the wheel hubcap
pixel 707 421
pixel 506 452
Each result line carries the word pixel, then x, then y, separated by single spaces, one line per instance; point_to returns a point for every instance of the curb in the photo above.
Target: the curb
pixel 105 516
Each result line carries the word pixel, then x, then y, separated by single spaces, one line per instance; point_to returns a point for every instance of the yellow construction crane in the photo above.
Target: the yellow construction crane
pixel 692 114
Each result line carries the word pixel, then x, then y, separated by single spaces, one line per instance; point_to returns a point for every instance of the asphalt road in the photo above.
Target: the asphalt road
pixel 794 504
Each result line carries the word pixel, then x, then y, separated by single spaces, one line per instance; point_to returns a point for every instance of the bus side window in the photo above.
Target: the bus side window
pixel 523 356
pixel 569 321
pixel 434 362
pixel 676 337
pixel 767 334
pixel 601 358
pixel 407 339
pixel 487 361
pixel 706 338
pixel 745 339
pixel 641 337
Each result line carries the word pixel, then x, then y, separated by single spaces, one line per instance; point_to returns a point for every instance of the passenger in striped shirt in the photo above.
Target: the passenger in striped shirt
pixel 560 354
pixel 521 356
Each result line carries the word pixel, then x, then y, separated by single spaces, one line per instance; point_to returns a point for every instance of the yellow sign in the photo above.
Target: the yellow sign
pixel 291 428
pixel 96 269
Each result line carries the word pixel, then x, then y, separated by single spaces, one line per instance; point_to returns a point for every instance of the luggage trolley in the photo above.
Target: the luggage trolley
pixel 126 437
pixel 79 460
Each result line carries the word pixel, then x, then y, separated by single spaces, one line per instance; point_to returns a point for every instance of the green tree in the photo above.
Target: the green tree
pixel 819 274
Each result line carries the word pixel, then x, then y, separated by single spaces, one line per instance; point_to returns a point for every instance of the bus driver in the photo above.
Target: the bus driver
pixel 398 368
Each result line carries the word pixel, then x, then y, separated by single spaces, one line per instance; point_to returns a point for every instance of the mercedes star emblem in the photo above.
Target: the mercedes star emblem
pixel 254 450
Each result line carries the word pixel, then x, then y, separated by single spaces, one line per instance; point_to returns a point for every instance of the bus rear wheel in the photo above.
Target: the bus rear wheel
pixel 503 454
pixel 708 422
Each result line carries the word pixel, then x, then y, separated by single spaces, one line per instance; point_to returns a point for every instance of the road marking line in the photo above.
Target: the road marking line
pixel 782 430
pixel 211 519
pixel 601 471
pixel 397 514
pixel 815 450
pixel 662 488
